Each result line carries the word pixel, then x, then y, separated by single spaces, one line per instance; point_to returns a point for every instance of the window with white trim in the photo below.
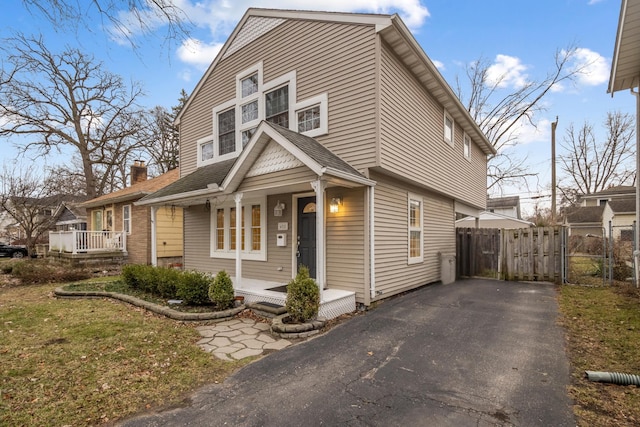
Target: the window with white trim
pixel 448 129
pixel 415 229
pixel 126 219
pixel 467 146
pixel 253 230
pixel 235 121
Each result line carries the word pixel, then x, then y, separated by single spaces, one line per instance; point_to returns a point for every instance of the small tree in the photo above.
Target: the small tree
pixel 221 291
pixel 303 297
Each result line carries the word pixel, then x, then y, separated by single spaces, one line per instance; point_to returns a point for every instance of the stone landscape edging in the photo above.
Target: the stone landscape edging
pixel 155 308
pixel 296 330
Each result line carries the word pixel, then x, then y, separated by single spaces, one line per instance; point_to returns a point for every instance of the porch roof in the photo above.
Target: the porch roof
pixel 225 176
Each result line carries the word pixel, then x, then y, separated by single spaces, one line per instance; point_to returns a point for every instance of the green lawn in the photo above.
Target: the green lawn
pixel 603 330
pixel 92 361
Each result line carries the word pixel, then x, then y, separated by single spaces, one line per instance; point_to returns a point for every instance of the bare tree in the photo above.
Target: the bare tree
pixel 499 114
pixel 124 18
pixel 58 101
pixel 29 200
pixel 590 165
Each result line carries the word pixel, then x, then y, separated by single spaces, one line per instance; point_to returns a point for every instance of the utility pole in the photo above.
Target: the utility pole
pixel 553 171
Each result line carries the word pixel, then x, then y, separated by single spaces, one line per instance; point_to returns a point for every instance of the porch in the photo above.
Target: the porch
pixel 81 241
pixel 333 302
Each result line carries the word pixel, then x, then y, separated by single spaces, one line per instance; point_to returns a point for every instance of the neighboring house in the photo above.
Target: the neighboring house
pixel 585 220
pixel 493 220
pixel 117 213
pixel 601 198
pixel 592 216
pixel 332 141
pixel 507 206
pixel 620 214
pixel 70 216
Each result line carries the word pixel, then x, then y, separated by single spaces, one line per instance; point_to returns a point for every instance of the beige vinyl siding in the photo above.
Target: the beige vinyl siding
pixel 345 241
pixel 277 268
pixel 169 232
pixel 286 177
pixel 344 69
pixel 412 138
pixel 393 273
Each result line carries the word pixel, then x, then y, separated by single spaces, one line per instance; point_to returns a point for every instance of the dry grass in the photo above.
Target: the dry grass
pixel 88 362
pixel 603 325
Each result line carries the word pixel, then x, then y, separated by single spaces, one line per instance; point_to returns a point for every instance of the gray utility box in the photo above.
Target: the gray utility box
pixel 447 268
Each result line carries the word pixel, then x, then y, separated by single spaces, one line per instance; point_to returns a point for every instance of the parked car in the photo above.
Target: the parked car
pixel 13 251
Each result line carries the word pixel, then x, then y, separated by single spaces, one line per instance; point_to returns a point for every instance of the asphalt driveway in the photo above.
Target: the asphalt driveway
pixel 472 353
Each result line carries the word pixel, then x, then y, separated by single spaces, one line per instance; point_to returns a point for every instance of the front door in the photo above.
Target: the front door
pixel 306 253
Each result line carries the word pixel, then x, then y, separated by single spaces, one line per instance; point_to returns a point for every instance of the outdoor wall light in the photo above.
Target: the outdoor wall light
pixel 334 206
pixel 278 209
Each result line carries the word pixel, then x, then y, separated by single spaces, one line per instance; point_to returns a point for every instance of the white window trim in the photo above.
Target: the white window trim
pixel 200 143
pixel 288 79
pixel 466 146
pixel 451 141
pixel 322 101
pixel 123 219
pixel 227 252
pixel 418 259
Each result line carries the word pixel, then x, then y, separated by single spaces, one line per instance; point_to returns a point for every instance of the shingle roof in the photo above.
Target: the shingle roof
pixel 196 180
pixel 585 214
pixel 619 189
pixel 135 191
pixel 216 173
pixel 623 205
pixel 318 152
pixel 500 202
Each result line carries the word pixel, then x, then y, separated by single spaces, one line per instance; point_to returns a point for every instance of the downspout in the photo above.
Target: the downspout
pixel 613 377
pixel 238 199
pixel 372 242
pixel 636 252
pixel 154 248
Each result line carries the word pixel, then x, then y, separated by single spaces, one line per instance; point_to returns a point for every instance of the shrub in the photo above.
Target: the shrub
pixel 193 288
pixel 41 271
pixel 221 291
pixel 7 268
pixel 131 274
pixel 303 297
pixel 167 282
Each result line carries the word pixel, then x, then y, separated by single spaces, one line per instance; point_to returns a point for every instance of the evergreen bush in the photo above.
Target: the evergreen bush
pixel 303 297
pixel 167 282
pixel 221 291
pixel 193 288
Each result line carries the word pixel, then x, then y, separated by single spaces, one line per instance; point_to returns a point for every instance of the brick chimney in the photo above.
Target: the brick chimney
pixel 138 172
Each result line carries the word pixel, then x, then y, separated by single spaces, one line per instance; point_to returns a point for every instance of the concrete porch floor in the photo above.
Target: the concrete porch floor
pixel 334 302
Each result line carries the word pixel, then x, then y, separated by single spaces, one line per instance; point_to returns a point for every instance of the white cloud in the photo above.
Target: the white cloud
pixel 439 65
pixel 593 68
pixel 197 53
pixel 527 133
pixel 507 71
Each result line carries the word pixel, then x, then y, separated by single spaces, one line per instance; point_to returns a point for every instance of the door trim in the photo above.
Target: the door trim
pixel 294 228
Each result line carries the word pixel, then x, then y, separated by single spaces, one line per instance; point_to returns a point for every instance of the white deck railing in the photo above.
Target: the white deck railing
pixel 78 241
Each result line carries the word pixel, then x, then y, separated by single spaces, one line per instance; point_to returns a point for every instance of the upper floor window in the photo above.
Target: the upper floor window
pixel 249 85
pixel 227 132
pixel 277 106
pixel 235 121
pixel 467 146
pixel 448 129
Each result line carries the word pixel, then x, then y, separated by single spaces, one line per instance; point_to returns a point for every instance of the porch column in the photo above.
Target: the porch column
pixel 238 199
pixel 319 187
pixel 154 248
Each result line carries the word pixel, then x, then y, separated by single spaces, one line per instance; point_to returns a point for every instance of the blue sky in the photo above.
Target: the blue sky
pixel 519 36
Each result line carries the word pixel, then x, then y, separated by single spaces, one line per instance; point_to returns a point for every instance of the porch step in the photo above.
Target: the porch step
pixel 268 308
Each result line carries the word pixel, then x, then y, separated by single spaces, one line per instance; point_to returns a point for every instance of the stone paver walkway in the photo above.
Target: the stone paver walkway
pixel 239 338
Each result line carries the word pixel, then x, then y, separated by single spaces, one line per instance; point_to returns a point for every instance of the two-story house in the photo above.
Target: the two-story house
pixel 328 140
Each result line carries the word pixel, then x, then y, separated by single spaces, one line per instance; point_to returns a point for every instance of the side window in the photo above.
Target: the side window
pixel 467 147
pixel 448 129
pixel 126 219
pixel 415 229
